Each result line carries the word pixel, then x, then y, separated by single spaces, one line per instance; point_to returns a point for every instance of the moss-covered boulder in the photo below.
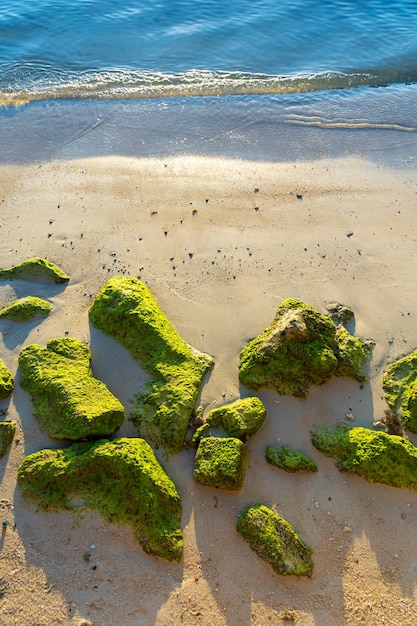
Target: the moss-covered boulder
pixel 376 456
pixel 399 383
pixel 35 270
pixel 126 309
pixel 6 381
pixel 240 419
pixel 289 460
pixel 7 431
pixel 301 348
pixel 121 479
pixel 69 402
pixel 26 309
pixel 275 541
pixel 221 462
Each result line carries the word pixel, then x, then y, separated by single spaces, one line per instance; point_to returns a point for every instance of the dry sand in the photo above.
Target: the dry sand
pixel 220 243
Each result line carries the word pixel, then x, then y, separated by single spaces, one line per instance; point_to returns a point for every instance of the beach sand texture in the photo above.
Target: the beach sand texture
pixel 220 243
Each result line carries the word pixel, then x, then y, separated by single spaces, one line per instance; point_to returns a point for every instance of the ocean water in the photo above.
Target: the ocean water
pixel 233 70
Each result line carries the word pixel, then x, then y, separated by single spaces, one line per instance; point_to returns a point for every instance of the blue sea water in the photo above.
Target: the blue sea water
pixel 339 64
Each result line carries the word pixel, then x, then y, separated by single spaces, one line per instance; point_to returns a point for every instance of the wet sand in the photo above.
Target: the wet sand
pixel 220 243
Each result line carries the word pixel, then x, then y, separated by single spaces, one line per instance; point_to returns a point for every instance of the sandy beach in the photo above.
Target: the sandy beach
pixel 220 243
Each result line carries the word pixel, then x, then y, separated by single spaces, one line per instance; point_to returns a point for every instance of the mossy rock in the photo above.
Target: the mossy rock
pixel 275 541
pixel 35 270
pixel 221 462
pixel 340 313
pixel 26 309
pixel 376 456
pixel 7 431
pixel 240 419
pixel 6 381
pixel 127 310
pixel 289 460
pixel 69 402
pixel 399 383
pixel 121 479
pixel 301 348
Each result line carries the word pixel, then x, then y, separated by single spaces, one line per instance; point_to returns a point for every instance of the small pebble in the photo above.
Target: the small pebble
pixel 347 529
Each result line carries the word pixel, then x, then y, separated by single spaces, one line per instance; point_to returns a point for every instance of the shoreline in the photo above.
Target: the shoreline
pixel 220 242
pixel 373 124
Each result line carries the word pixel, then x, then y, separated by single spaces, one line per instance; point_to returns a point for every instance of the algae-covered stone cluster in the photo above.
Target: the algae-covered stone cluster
pixel 399 383
pixel 301 348
pixel 36 270
pixel 289 460
pixel 240 419
pixel 7 431
pixel 275 541
pixel 121 479
pixel 221 458
pixel 126 309
pixel 68 400
pixel 376 456
pixel 6 381
pixel 26 309
pixel 221 462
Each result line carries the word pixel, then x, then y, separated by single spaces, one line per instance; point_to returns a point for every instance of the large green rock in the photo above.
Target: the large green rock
pixel 7 431
pixel 126 310
pixel 35 270
pixel 121 479
pixel 26 309
pixel 289 460
pixel 301 348
pixel 399 383
pixel 221 462
pixel 69 402
pixel 6 381
pixel 275 541
pixel 240 419
pixel 374 455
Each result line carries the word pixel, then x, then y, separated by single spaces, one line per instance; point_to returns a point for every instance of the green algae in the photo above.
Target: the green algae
pixel 6 381
pixel 376 456
pixel 301 348
pixel 126 309
pixel 69 402
pixel 240 419
pixel 121 479
pixel 25 309
pixel 289 460
pixel 275 541
pixel 399 383
pixel 352 354
pixel 35 270
pixel 7 431
pixel 221 462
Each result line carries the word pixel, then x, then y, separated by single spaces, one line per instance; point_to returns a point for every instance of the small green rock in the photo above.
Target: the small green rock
pixel 275 541
pixel 399 383
pixel 376 456
pixel 340 313
pixel 221 462
pixel 289 460
pixel 68 400
pixel 127 310
pixel 6 381
pixel 7 431
pixel 240 419
pixel 300 349
pixel 35 270
pixel 121 479
pixel 26 309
